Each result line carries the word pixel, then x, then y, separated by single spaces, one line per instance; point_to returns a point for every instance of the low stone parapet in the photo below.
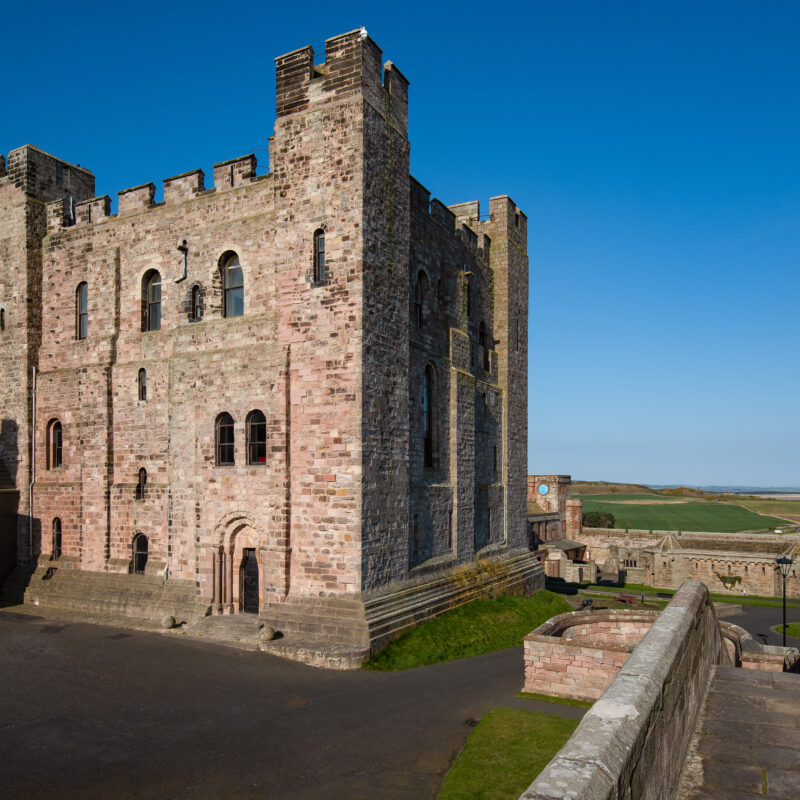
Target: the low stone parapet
pixel 633 741
pixel 577 655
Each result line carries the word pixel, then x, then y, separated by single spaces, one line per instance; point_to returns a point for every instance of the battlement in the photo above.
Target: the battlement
pixel 352 63
pixel 45 177
pixel 228 174
pixel 462 219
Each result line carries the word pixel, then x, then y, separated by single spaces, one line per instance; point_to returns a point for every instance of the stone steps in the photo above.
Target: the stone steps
pixel 331 620
pixel 390 614
pixel 143 596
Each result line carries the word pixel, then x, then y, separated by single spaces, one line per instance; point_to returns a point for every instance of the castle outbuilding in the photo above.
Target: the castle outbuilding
pixel 300 394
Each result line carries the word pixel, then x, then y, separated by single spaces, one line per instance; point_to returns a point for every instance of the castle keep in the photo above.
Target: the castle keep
pixel 291 393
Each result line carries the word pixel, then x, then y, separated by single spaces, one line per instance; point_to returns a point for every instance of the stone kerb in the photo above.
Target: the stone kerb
pixel 633 741
pixel 577 654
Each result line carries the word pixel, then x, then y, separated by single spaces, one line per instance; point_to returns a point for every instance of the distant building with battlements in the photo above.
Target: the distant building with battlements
pixel 292 393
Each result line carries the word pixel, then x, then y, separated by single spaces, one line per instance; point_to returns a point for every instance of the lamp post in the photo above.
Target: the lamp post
pixel 784 563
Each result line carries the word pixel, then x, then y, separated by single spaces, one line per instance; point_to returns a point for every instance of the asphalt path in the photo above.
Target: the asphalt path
pixel 757 621
pixel 93 712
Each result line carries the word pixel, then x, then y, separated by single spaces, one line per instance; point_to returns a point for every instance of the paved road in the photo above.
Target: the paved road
pixel 758 620
pixel 94 712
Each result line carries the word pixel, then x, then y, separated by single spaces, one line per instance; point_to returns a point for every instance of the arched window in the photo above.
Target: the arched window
pixel 256 438
pixel 151 301
pixel 56 538
pixel 484 344
pixel 197 307
pixel 233 286
pixel 139 554
pixel 141 484
pixel 224 440
pixel 319 256
pixel 82 311
pixel 429 416
pixel 420 289
pixel 55 444
pixel 141 383
pixel 2 319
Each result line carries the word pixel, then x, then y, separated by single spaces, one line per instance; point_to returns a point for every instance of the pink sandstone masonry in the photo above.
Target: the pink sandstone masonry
pixel 576 655
pixel 377 337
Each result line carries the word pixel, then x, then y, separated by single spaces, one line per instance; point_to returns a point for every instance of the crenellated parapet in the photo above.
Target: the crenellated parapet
pixel 230 174
pixel 352 64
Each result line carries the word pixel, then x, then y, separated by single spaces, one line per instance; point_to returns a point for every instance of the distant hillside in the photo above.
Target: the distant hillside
pixel 607 487
pixel 604 487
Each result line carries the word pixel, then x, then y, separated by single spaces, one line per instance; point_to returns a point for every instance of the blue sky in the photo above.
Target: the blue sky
pixel 654 146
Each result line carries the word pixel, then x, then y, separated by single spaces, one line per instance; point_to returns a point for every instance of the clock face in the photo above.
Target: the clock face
pixel 543 489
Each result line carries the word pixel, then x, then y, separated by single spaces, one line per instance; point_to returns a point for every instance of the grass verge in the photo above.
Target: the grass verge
pixel 481 626
pixel 792 629
pixel 504 754
pixel 549 698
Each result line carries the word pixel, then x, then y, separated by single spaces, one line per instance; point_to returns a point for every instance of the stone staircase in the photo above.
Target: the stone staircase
pixel 141 596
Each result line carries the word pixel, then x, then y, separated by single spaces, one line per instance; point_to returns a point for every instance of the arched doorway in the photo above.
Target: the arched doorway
pixel 139 554
pixel 249 575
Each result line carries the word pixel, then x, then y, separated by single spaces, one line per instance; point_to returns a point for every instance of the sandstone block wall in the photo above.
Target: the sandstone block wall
pixel 577 654
pixel 345 501
pixel 666 559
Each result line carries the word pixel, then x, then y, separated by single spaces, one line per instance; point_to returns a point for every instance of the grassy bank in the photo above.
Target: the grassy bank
pixel 481 626
pixel 504 754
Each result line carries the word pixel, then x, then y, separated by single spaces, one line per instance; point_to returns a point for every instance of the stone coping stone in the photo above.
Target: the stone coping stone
pixel 598 756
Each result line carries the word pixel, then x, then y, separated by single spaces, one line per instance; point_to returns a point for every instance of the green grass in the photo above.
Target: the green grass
pixel 481 626
pixel 792 629
pixel 773 507
pixel 694 516
pixel 504 754
pixel 549 698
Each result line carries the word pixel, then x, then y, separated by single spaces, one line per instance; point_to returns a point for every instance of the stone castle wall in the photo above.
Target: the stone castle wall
pixel 347 500
pixel 666 559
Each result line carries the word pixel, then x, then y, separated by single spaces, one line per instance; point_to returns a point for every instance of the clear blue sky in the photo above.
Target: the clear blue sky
pixel 654 146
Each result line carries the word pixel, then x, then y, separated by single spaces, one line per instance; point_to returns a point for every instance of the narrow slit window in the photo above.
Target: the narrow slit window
pixel 56 538
pixel 142 384
pixel 420 290
pixel 484 345
pixel 197 308
pixel 2 319
pixel 55 445
pixel 428 416
pixel 141 484
pixel 320 272
pixel 82 311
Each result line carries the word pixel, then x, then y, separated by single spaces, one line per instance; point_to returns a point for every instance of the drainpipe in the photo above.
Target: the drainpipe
pixel 33 466
pixel 184 250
